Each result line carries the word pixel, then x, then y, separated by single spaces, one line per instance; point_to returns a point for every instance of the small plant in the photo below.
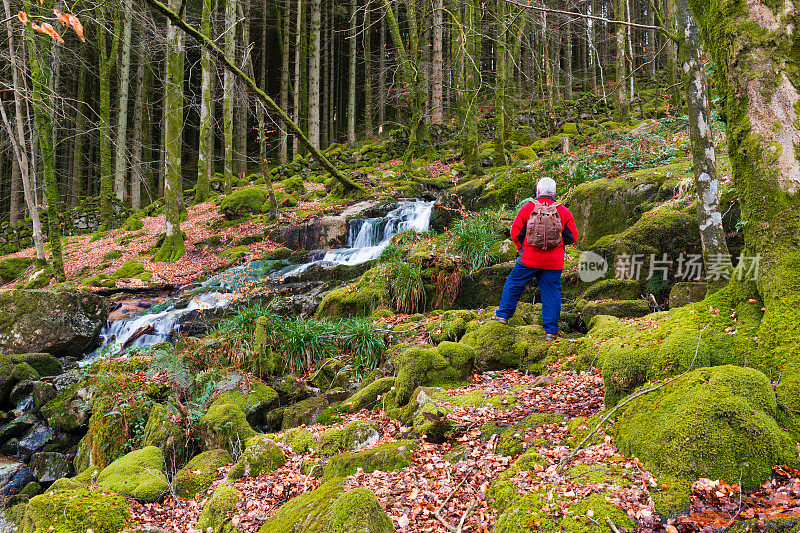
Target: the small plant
pixel 407 290
pixel 474 237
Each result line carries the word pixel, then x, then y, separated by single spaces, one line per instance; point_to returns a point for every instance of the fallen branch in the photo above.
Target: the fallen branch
pixel 611 525
pixel 177 21
pixel 444 522
pixel 563 464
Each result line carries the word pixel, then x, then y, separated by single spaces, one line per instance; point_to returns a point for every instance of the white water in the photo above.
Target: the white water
pixel 368 237
pixel 366 240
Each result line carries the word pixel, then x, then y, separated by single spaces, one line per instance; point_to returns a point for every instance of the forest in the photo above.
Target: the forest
pixel 253 259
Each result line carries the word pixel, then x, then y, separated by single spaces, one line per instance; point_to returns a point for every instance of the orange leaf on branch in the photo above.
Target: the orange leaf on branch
pixel 23 18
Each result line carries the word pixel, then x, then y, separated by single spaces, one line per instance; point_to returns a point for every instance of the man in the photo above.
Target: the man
pixel 541 230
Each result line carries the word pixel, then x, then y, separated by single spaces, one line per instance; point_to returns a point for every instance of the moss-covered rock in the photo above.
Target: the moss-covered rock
pixel 617 308
pixel 299 440
pixel 169 437
pixel 243 202
pixel 355 435
pixel 24 372
pixel 304 413
pixel 514 441
pixel 687 292
pixel 58 323
pixel 386 458
pixel 501 346
pixel 69 410
pixel 713 422
pixel 12 268
pixel 44 363
pixel 368 397
pixel 255 404
pixel 261 456
pixel 449 362
pixel 138 474
pixel 129 269
pixel 224 426
pixel 200 472
pixel 613 289
pixel 216 515
pixel 75 510
pixel 358 299
pixel 329 509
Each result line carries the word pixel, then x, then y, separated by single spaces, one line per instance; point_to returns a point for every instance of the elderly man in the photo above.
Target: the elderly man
pixel 540 231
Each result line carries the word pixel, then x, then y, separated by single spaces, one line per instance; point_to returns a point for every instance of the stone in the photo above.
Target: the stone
pixel 137 474
pixel 200 472
pixel 58 323
pixel 261 456
pixel 14 475
pixel 50 466
pixel 304 413
pixel 71 409
pixel 224 426
pixel 75 510
pixel 687 292
pixel 38 436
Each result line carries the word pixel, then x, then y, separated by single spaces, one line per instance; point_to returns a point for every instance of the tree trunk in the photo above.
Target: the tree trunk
pixel 763 133
pixel 672 70
pixel 437 64
pixel 173 246
pixel 78 169
pixel 205 152
pixel 368 127
pixel 262 115
pixel 500 84
pixel 568 81
pixel 283 156
pixel 241 103
pixel 314 53
pixel 650 47
pixel 297 75
pixel 137 170
pixel 15 207
pixel 351 73
pixel 469 67
pixel 227 92
pixel 120 160
pixel 382 78
pixel 622 96
pixel 107 58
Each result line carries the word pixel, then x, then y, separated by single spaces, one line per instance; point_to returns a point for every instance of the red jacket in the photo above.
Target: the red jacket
pixel 552 259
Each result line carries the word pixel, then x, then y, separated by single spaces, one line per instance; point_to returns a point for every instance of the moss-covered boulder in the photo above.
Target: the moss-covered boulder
pixel 513 440
pixel 355 435
pixel 499 346
pixel 44 363
pixel 75 510
pixel 58 323
pixel 386 458
pixel 617 308
pixel 261 456
pixel 687 292
pixel 161 431
pixel 613 289
pixel 329 509
pixel 12 268
pixel 715 422
pixel 449 362
pixel 138 474
pixel 243 202
pixel 255 403
pixel 71 409
pixel 304 413
pixel 360 298
pixel 216 515
pixel 367 397
pixel 224 426
pixel 200 472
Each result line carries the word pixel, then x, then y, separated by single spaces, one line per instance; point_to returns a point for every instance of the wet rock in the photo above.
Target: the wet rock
pixel 14 475
pixel 314 234
pixel 21 392
pixel 18 427
pixel 50 466
pixel 304 413
pixel 58 323
pixel 40 435
pixel 43 392
pixel 69 410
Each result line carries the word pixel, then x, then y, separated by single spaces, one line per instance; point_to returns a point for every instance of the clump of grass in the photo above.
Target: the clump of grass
pixel 406 290
pixel 474 237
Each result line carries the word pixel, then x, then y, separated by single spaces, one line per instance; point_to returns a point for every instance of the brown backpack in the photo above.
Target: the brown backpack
pixel 544 226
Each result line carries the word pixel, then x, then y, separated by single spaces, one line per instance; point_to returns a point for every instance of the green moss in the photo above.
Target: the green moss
pixel 614 289
pixel 329 509
pixel 200 472
pixel 500 346
pixel 368 397
pixel 243 202
pixel 262 456
pixel 447 363
pixel 75 510
pixel 138 475
pixel 386 458
pixel 43 363
pixel 218 510
pixel 305 412
pixel 255 403
pixel 355 435
pixel 672 496
pixel 235 253
pixel 514 441
pixel 24 372
pixel 224 426
pixel 714 422
pixel 162 432
pixel 299 440
pixel 133 223
pixel 12 268
pixel 358 299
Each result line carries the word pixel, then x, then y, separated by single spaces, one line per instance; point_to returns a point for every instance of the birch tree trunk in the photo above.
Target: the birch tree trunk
pixel 120 160
pixel 173 246
pixel 77 146
pixel 297 75
pixel 650 47
pixel 382 78
pixel 241 102
pixel 672 70
pixel 15 207
pixel 205 155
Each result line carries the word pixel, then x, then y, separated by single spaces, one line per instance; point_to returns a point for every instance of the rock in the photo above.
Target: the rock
pixel 617 308
pixel 303 413
pixel 40 435
pixel 685 292
pixel 290 389
pixel 243 202
pixel 224 426
pixel 367 397
pixel 58 323
pixel 138 474
pixel 22 393
pixel 44 363
pixel 261 456
pixel 255 404
pixel 386 458
pixel 76 510
pixel 12 268
pixel 50 466
pixel 613 289
pixel 200 472
pixel 709 423
pixel 216 513
pixel 326 373
pixel 354 436
pixel 166 435
pixel 499 346
pixel 24 372
pixel 14 475
pixel 449 362
pixel 299 440
pixel 314 234
pixel 71 409
pixel 18 427
pixel 329 509
pixel 43 392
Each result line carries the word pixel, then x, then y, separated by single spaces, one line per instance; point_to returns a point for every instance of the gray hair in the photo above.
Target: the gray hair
pixel 546 186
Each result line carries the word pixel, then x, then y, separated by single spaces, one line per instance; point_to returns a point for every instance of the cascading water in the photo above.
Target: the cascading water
pixel 367 238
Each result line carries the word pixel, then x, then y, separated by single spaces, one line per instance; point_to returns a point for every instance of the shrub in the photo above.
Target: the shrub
pixel 474 236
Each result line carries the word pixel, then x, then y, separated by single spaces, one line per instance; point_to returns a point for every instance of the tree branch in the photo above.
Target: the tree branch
pixel 582 15
pixel 269 102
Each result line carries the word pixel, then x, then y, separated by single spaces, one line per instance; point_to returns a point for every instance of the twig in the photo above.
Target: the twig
pixel 439 517
pixel 468 512
pixel 584 16
pixel 739 510
pixel 611 525
pixel 624 402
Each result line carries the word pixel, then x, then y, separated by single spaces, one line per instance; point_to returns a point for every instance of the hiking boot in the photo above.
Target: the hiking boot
pixel 499 319
pixel 550 337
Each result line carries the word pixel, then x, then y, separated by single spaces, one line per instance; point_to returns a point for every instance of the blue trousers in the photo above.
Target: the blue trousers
pixel 549 282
